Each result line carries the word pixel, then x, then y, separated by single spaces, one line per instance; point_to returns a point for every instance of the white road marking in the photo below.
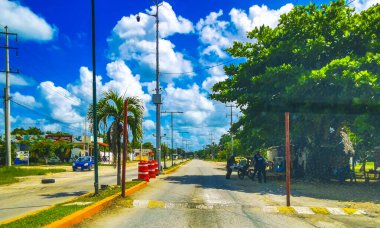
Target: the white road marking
pixel 140 203
pixel 360 212
pixel 304 210
pixel 270 209
pixel 335 211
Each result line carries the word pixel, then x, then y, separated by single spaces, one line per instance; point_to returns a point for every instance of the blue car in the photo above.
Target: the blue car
pixel 86 162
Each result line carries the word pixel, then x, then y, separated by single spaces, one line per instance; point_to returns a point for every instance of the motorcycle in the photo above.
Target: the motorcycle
pixel 245 171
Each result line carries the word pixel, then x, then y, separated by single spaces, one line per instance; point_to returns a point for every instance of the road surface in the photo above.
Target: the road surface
pixel 197 195
pixel 30 195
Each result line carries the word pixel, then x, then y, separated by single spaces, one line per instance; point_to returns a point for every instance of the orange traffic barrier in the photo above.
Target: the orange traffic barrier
pixel 143 171
pixel 152 169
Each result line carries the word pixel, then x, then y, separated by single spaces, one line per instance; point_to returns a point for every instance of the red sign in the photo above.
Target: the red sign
pixel 67 138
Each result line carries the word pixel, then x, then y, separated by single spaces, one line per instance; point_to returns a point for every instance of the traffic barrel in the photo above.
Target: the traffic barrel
pixel 156 167
pixel 143 171
pixel 152 169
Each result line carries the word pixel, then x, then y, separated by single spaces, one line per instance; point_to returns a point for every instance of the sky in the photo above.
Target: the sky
pixel 54 86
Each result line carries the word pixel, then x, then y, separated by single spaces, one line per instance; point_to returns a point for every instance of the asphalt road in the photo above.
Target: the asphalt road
pixel 190 191
pixel 30 195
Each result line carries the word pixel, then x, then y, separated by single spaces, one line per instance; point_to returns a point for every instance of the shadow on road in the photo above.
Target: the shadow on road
pixel 355 192
pixel 63 194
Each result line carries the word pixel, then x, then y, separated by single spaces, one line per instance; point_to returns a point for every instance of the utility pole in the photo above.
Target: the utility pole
pixel 181 133
pixel 211 143
pixel 172 126
pixel 7 107
pixel 95 120
pixel 232 137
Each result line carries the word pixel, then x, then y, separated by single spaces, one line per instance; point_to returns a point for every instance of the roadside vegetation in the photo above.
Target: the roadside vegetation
pixel 62 210
pixel 9 174
pixel 321 64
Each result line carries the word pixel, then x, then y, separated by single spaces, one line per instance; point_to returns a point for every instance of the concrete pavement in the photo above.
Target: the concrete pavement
pixel 30 195
pixel 198 184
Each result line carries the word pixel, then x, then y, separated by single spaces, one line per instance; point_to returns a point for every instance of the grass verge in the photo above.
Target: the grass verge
pixel 9 174
pixel 61 210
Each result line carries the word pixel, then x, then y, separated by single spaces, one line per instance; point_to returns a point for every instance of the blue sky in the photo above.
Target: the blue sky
pixel 53 89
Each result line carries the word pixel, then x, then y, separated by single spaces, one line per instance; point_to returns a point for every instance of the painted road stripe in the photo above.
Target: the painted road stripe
pixel 360 212
pixel 335 211
pixel 140 203
pixel 267 209
pixel 304 210
pixel 270 209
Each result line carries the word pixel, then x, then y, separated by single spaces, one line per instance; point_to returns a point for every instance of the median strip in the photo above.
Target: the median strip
pixel 74 211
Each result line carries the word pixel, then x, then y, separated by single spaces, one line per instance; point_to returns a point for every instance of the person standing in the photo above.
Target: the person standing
pixel 230 162
pixel 261 166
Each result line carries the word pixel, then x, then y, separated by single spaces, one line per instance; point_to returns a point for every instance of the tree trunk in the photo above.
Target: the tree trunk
pixel 118 161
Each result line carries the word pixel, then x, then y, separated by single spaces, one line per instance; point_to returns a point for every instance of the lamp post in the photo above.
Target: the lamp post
pixel 95 121
pixel 161 136
pixel 157 96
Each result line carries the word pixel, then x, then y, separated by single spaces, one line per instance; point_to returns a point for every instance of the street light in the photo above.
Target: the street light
pixel 157 96
pixel 161 136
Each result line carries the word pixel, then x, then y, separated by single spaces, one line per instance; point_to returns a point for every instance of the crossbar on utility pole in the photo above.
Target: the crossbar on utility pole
pixel 172 126
pixel 7 106
pixel 232 137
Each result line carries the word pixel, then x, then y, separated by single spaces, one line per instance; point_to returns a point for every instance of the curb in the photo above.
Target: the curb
pixel 40 210
pixel 89 211
pixel 175 168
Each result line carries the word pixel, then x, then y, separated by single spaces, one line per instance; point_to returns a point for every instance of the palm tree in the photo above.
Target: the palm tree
pixel 110 112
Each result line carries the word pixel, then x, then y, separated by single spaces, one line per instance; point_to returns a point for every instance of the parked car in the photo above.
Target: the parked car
pixel 85 162
pixel 53 160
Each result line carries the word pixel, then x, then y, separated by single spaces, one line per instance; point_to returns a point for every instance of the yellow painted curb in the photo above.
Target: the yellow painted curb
pixel 40 210
pixel 87 212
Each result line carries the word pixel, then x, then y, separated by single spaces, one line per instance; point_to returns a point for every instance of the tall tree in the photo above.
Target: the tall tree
pixel 110 114
pixel 321 63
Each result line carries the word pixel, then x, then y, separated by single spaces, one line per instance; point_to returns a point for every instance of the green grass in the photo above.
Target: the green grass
pixel 59 211
pixel 9 174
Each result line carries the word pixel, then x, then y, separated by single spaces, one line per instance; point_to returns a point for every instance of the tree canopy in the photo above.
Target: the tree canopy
pixel 321 63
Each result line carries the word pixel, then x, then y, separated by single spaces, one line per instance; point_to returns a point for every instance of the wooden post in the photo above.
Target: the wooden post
pixel 287 151
pixel 125 139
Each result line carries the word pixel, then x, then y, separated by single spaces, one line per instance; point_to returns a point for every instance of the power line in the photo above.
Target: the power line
pixel 205 68
pixel 47 116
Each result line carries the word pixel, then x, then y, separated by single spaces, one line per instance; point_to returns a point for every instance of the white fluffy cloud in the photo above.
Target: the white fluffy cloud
pixel 83 87
pixel 215 35
pixel 23 21
pixel 17 80
pixel 29 101
pixel 257 16
pixel 61 103
pixel 149 125
pixel 361 5
pixel 123 81
pixel 191 101
pixel 132 40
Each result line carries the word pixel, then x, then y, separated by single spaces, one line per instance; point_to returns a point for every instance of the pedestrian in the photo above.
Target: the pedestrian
pixel 261 166
pixel 230 162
